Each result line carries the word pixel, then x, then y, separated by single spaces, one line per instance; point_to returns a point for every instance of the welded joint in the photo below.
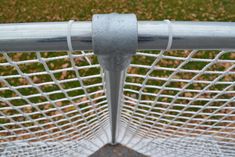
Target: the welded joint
pixel 114 39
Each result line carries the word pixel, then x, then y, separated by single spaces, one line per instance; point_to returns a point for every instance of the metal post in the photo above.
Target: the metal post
pixel 114 38
pixel 52 36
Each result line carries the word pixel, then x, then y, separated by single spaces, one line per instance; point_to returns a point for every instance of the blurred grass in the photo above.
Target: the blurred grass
pixel 60 10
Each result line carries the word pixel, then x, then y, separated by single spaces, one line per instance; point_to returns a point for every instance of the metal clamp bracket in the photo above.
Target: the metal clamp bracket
pixel 114 40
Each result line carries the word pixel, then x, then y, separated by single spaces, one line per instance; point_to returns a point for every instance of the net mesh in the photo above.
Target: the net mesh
pixel 52 104
pixel 175 103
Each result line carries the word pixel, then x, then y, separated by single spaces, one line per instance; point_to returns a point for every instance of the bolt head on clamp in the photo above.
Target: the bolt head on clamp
pixel 114 39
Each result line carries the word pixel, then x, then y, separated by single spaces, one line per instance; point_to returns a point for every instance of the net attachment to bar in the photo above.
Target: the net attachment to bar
pixel 174 102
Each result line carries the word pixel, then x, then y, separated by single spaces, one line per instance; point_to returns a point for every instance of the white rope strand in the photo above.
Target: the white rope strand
pixel 69 41
pixel 170 35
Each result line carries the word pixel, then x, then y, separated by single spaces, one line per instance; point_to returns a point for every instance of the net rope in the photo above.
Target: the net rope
pixel 64 120
pixel 174 103
pixel 168 109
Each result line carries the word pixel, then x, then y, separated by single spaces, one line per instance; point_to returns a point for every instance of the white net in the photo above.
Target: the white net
pixel 52 104
pixel 180 103
pixel 177 103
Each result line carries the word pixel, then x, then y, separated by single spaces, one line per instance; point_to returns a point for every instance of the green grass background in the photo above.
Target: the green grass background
pixel 61 10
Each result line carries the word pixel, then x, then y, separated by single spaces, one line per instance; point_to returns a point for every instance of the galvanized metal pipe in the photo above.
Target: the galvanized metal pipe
pixel 115 40
pixel 45 36
pixel 151 35
pixel 187 35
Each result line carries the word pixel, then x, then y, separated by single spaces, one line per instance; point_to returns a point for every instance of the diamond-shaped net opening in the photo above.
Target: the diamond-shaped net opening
pixel 52 104
pixel 176 103
pixel 180 103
